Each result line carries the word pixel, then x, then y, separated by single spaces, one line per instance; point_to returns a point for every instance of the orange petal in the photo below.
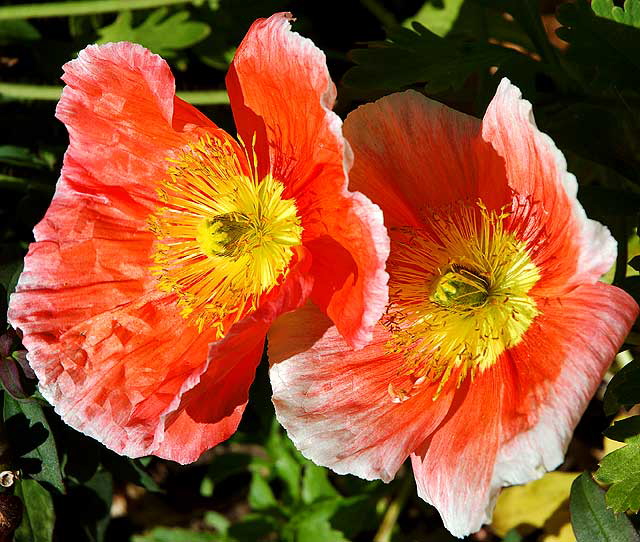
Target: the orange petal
pixel 535 168
pixel 349 256
pixel 118 106
pixel 334 402
pixel 211 411
pixel 282 95
pixel 114 376
pixel 538 390
pixel 111 350
pixel 412 154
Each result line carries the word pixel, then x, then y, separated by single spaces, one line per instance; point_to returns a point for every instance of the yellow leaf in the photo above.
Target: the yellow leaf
pixel 541 504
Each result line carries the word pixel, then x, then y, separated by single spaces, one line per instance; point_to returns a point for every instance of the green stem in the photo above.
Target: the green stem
pixel 86 7
pixel 205 97
pixel 393 511
pixel 381 13
pixel 19 91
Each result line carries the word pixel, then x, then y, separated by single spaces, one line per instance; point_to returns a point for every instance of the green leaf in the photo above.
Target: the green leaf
pixel 438 19
pixel 625 430
pixel 38 517
pixel 629 14
pixel 217 521
pixel 621 471
pixel 166 534
pixel 420 56
pixel 17 30
pixel 130 470
pixel 97 504
pixel 9 275
pixel 286 460
pixel 590 518
pixel 312 523
pixel 317 530
pixel 608 53
pixel 21 157
pixel 355 515
pixel 32 441
pixel 160 33
pixel 623 390
pixel 315 484
pixel 225 465
pixel 260 495
pixel 253 528
pixel 512 536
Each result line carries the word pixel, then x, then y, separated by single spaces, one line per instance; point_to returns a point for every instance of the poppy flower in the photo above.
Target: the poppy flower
pixel 169 247
pixel 497 331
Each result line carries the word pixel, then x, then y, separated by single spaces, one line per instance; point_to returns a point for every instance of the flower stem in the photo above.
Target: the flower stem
pixel 29 92
pixel 393 511
pixel 86 7
pixel 205 97
pixel 381 13
pixel 18 91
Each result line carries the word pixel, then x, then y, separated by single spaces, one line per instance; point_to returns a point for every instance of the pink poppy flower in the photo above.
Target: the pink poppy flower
pixel 497 331
pixel 170 247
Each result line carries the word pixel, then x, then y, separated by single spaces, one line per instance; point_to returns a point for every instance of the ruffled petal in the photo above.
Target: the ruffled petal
pixel 335 403
pixel 412 154
pixel 537 169
pixel 118 106
pixel 281 95
pixel 211 411
pixel 515 420
pixel 453 467
pixel 114 376
pixel 111 351
pixel 580 334
pixel 349 266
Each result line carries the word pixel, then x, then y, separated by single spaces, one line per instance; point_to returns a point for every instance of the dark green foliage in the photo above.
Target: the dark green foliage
pixel 420 56
pixel 590 518
pixel 624 389
pixel 31 440
pixel 38 517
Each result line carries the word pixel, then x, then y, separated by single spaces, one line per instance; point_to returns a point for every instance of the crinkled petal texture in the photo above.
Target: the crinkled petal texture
pixel 106 337
pixel 111 350
pixel 511 422
pixel 281 95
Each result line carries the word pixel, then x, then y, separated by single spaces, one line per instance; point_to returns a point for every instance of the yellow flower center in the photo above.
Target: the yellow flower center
pixel 223 237
pixel 459 296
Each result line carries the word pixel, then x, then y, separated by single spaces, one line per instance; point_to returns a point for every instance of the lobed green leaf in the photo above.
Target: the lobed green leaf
pixel 621 471
pixel 32 441
pixel 629 14
pixel 623 390
pixel 161 33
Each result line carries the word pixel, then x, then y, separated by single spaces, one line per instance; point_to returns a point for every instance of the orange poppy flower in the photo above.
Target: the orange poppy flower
pixel 169 247
pixel 497 332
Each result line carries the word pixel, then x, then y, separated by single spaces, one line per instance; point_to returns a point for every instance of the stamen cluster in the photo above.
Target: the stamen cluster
pixel 459 292
pixel 224 238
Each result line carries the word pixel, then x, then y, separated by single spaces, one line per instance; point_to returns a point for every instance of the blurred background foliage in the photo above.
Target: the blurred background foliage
pixel 578 62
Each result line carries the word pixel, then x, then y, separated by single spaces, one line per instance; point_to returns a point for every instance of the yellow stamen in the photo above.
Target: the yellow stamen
pixel 223 237
pixel 459 296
